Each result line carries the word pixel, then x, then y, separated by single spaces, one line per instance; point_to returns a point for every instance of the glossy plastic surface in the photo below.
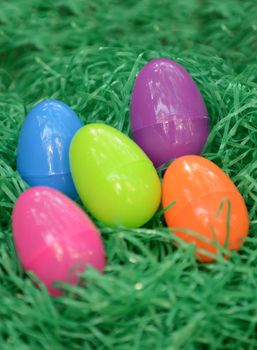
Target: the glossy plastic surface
pixel 206 201
pixel 114 178
pixel 54 238
pixel 43 148
pixel 168 115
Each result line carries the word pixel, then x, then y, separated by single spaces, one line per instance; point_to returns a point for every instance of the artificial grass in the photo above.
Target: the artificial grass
pixel 87 54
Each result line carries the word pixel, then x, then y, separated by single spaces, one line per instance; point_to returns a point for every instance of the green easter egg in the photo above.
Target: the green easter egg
pixel 114 178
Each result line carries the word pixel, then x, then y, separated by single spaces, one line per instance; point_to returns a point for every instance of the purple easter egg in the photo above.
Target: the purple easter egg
pixel 168 115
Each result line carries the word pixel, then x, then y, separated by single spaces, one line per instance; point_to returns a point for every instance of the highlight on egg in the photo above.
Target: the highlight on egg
pixel 208 210
pixel 114 178
pixel 43 146
pixel 54 238
pixel 167 112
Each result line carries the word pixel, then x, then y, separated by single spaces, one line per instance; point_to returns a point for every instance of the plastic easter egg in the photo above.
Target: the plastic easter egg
pixel 54 238
pixel 168 115
pixel 115 180
pixel 207 209
pixel 43 147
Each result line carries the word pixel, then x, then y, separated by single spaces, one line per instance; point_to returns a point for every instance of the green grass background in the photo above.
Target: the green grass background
pixel 87 54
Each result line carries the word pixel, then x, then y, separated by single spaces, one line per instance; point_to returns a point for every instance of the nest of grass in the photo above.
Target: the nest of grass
pixel 87 53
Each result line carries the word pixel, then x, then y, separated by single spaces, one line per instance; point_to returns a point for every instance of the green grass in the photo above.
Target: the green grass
pixel 87 54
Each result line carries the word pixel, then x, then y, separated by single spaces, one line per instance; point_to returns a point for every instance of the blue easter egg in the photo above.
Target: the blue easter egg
pixel 43 147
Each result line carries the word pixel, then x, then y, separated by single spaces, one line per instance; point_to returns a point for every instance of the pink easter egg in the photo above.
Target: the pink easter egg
pixel 54 238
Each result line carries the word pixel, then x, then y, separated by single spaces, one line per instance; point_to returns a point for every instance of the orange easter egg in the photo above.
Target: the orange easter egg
pixel 208 209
